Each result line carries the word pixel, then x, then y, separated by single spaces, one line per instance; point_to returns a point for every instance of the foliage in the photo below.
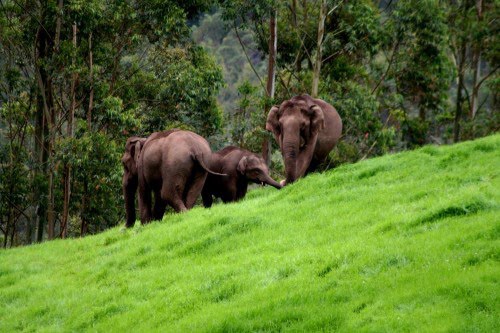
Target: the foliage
pixel 406 242
pixel 423 67
pixel 364 134
pixel 97 177
pixel 15 178
pixel 223 42
pixel 90 74
pixel 183 90
pixel 400 73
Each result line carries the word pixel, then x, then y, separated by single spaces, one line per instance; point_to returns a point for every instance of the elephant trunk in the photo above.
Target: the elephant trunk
pixel 290 151
pixel 272 182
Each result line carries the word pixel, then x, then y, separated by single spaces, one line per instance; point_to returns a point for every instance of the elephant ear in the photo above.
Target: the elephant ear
pixel 272 123
pixel 242 165
pixel 135 150
pixel 317 119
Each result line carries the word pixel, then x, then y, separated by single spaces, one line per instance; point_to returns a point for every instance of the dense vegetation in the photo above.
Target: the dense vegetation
pixel 405 242
pixel 79 77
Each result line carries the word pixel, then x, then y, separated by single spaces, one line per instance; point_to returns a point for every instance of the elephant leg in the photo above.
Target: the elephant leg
pixel 129 190
pixel 171 192
pixel 241 192
pixel 207 198
pixel 230 194
pixel 313 166
pixel 194 187
pixel 159 207
pixel 145 203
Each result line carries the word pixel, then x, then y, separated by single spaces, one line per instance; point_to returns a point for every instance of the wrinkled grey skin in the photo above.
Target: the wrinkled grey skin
pixel 241 167
pixel 306 130
pixel 130 181
pixel 173 165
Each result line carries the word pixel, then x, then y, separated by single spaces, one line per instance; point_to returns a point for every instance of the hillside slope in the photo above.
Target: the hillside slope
pixel 406 242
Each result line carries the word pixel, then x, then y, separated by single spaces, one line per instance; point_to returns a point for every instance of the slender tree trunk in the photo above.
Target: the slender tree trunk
pixel 41 132
pixel 41 206
pixel 295 21
pixel 58 25
pixel 421 113
pixel 13 227
pixel 67 167
pixel 7 228
pixel 476 65
pixel 29 226
pixel 44 49
pixel 51 214
pixel 83 227
pixel 458 106
pixel 319 49
pixel 271 79
pixel 91 79
pixel 52 119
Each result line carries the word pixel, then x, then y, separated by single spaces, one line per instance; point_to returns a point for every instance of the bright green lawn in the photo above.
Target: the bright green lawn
pixel 406 242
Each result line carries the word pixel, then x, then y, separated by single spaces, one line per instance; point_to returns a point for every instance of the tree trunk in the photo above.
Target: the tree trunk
pixel 91 79
pixel 7 228
pixel 69 130
pixel 52 119
pixel 319 49
pixel 83 227
pixel 13 227
pixel 41 131
pixel 51 214
pixel 458 106
pixel 41 206
pixel 476 65
pixel 271 76
pixel 421 113
pixel 58 25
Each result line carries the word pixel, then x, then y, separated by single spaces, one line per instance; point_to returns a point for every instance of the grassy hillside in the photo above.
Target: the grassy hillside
pixel 407 242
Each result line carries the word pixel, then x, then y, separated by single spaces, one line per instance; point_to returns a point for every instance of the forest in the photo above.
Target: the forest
pixel 79 77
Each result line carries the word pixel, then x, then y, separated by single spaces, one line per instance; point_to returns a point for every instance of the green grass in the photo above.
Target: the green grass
pixel 406 242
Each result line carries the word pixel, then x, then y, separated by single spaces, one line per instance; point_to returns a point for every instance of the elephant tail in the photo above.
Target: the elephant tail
pixel 199 158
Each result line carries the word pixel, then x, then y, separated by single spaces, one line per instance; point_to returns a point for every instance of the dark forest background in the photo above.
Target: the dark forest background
pixel 77 78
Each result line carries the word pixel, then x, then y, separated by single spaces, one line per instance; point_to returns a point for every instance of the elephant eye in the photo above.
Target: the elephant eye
pixel 254 172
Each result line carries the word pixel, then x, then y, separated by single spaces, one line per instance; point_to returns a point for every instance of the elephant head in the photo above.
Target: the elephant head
pixel 255 169
pixel 130 178
pixel 295 125
pixel 130 156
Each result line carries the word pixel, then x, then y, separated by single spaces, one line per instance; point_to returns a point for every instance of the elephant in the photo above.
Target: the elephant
pixel 306 129
pixel 173 165
pixel 130 180
pixel 241 167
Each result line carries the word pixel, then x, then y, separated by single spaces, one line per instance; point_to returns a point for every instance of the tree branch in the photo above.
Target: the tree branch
pixel 388 66
pixel 246 55
pixel 487 76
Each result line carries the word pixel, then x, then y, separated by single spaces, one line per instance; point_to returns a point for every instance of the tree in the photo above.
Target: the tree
pixel 86 69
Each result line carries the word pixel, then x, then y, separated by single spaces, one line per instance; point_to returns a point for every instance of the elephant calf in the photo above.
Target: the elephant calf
pixel 241 167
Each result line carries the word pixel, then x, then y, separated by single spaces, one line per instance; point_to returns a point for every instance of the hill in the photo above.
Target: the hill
pixel 405 242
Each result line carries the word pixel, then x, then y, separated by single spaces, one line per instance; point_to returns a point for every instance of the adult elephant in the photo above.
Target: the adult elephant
pixel 241 167
pixel 306 130
pixel 173 165
pixel 130 180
